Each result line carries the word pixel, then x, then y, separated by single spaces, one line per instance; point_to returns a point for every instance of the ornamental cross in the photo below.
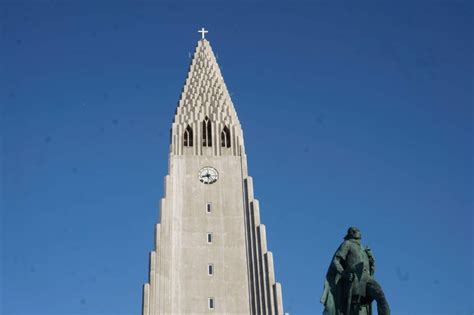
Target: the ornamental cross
pixel 203 32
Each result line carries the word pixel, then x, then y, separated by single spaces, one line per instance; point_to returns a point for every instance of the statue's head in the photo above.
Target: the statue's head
pixel 353 233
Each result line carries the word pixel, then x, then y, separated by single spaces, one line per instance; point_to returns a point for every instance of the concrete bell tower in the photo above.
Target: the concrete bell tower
pixel 210 253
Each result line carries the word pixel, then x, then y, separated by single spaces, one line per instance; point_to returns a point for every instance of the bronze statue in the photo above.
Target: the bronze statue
pixel 350 286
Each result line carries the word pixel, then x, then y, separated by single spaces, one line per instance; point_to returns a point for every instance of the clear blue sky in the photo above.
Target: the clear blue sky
pixel 354 114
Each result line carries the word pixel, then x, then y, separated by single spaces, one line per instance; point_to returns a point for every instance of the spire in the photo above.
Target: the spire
pixel 205 95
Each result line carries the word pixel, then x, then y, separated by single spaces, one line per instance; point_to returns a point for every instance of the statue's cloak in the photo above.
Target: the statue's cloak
pixel 333 294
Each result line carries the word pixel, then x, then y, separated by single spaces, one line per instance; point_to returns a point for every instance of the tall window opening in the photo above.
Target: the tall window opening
pixel 208 207
pixel 210 269
pixel 188 137
pixel 209 238
pixel 206 133
pixel 225 138
pixel 210 303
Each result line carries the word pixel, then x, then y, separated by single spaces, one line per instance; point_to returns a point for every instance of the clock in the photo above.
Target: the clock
pixel 208 175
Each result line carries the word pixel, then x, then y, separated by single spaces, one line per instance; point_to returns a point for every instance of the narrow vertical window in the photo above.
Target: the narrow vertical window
pixel 225 137
pixel 188 137
pixel 206 133
pixel 209 238
pixel 210 269
pixel 210 303
pixel 208 207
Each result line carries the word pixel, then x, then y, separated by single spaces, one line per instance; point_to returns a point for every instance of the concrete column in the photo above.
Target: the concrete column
pixel 262 248
pixel 146 299
pixel 195 126
pixel 158 279
pixel 199 136
pixel 163 248
pixel 256 211
pixel 218 137
pixel 180 139
pixel 270 280
pixel 233 139
pixel 157 236
pixel 249 184
pixel 255 220
pixel 214 136
pixel 152 280
pixel 162 210
pixel 279 299
pixel 248 189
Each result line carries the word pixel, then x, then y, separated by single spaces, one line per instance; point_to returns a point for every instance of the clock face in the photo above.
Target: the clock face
pixel 208 175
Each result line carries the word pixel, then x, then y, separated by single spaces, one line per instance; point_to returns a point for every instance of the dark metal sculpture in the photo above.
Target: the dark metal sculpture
pixel 350 286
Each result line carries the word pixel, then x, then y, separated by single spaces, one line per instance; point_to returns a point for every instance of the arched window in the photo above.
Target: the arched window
pixel 206 133
pixel 225 137
pixel 188 137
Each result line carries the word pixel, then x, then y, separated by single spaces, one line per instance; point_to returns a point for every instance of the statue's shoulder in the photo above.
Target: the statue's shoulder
pixel 345 247
pixel 351 245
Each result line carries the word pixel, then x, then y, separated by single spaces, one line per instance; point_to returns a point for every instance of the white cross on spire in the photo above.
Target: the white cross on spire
pixel 203 32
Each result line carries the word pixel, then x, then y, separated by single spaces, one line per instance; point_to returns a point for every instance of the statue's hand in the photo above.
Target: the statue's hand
pixel 348 276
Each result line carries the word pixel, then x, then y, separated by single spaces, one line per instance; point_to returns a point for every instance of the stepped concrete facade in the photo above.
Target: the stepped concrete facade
pixel 210 254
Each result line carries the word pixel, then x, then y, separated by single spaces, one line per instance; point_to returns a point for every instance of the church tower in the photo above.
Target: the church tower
pixel 210 253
